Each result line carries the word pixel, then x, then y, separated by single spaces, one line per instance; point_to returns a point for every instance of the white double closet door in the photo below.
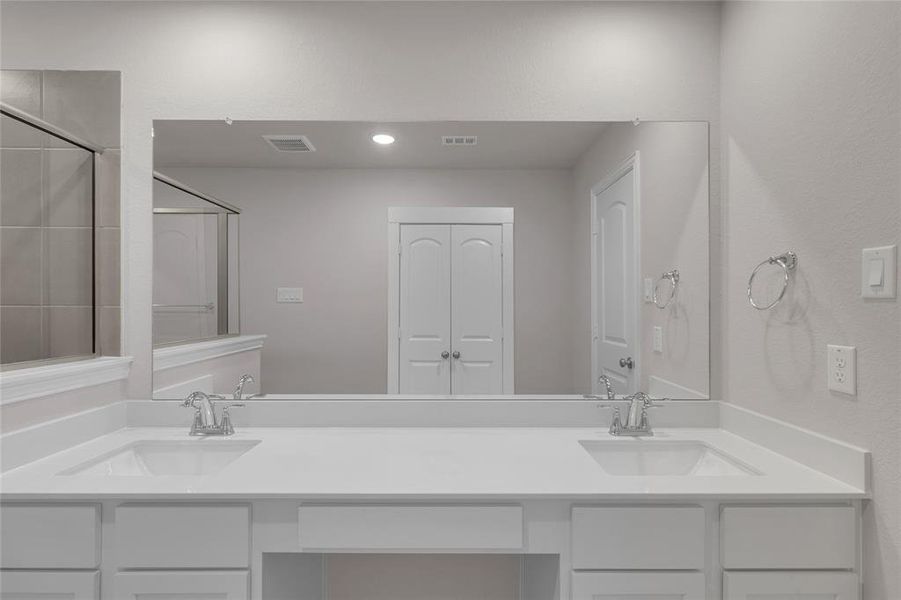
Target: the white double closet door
pixel 451 309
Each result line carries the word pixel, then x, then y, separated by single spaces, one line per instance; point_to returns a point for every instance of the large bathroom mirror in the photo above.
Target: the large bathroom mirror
pixel 431 258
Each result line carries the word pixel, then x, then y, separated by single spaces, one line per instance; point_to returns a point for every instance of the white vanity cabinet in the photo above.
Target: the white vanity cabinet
pixel 615 550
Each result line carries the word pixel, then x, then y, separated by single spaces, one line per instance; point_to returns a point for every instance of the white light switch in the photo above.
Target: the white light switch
pixel 658 338
pixel 878 271
pixel 648 289
pixel 841 367
pixel 289 295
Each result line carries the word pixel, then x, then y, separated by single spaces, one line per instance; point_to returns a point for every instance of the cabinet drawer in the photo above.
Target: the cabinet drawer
pixel 798 585
pixel 183 536
pixel 788 537
pixel 613 537
pixel 640 586
pixel 71 585
pixel 410 527
pixel 183 585
pixel 49 537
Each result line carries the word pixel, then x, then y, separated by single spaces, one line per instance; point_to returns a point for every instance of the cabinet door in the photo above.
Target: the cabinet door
pixel 49 585
pixel 424 309
pixel 638 585
pixel 182 585
pixel 790 585
pixel 477 309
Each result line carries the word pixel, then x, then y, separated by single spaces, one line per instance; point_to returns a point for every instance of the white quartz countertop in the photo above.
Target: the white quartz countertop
pixel 413 463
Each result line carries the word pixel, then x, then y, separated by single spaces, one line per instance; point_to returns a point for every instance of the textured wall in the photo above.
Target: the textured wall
pixel 326 230
pixel 811 116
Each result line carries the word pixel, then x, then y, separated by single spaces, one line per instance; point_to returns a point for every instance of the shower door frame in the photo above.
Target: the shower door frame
pixel 222 247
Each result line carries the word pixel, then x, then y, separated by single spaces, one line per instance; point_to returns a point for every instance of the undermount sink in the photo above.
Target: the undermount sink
pixel 159 458
pixel 663 458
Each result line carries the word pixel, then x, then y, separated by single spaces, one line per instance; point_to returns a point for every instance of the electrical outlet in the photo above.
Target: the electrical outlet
pixel 289 295
pixel 648 289
pixel 841 367
pixel 658 339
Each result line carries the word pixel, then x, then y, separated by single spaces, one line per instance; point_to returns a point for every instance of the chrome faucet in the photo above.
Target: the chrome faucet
pixel 608 386
pixel 637 422
pixel 239 389
pixel 205 421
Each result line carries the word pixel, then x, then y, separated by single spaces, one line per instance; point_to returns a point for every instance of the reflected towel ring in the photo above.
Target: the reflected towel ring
pixel 787 261
pixel 673 278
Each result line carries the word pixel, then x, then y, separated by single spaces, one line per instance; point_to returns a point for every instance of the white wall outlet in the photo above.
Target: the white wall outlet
pixel 289 295
pixel 658 339
pixel 648 289
pixel 841 366
pixel 878 271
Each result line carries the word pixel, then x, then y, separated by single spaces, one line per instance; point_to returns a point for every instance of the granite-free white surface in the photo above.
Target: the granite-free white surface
pixel 421 463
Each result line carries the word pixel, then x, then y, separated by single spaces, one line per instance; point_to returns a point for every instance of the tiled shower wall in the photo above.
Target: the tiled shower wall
pixel 52 292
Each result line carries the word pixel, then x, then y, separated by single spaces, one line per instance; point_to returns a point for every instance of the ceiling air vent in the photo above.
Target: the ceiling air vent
pixel 459 140
pixel 290 143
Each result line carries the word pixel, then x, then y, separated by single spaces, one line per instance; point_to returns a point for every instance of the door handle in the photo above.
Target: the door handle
pixel 627 362
pixel 456 354
pixel 445 354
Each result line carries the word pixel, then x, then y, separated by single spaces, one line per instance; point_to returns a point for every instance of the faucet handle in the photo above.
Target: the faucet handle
pixel 225 423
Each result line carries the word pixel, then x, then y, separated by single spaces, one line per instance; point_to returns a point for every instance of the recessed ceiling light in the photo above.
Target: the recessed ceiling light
pixel 383 139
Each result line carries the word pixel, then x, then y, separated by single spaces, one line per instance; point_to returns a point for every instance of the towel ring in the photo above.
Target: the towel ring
pixel 787 261
pixel 673 277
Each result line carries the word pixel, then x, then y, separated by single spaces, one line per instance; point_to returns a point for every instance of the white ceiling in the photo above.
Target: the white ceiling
pixel 347 144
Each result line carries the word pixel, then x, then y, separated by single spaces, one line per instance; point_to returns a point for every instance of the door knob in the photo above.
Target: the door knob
pixel 627 362
pixel 456 354
pixel 445 354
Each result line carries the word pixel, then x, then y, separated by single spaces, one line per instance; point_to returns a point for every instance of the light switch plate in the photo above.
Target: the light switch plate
pixel 878 272
pixel 841 366
pixel 658 338
pixel 289 295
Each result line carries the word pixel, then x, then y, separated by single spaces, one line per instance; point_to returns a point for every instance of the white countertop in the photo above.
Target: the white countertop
pixel 421 463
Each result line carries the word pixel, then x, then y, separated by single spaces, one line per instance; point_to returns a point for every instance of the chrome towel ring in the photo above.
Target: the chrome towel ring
pixel 673 278
pixel 787 261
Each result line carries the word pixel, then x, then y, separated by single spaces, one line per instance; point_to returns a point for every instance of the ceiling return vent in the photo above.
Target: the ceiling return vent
pixel 459 140
pixel 290 143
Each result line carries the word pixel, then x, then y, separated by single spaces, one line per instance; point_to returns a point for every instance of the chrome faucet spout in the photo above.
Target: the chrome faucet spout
pixel 608 385
pixel 203 404
pixel 205 421
pixel 239 389
pixel 637 422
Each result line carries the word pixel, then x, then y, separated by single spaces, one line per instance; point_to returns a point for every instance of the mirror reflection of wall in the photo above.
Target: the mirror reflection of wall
pixel 316 257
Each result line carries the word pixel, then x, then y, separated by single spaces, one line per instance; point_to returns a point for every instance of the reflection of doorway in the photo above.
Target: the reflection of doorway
pixel 614 279
pixel 185 276
pixel 450 302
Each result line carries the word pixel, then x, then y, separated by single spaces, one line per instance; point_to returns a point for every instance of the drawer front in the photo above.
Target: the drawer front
pixel 788 537
pixel 410 527
pixel 612 537
pixel 72 585
pixel 798 585
pixel 182 537
pixel 183 585
pixel 640 586
pixel 49 537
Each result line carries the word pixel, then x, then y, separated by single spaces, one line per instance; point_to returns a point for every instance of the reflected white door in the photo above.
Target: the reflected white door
pixel 615 300
pixel 425 262
pixel 184 277
pixel 477 309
